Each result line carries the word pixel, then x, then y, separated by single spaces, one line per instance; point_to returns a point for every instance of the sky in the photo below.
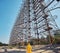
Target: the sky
pixel 9 10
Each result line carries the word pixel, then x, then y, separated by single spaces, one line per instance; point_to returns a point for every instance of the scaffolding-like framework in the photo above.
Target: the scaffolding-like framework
pixel 33 21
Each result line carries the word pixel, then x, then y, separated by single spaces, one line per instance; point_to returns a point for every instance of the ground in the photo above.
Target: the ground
pixel 36 49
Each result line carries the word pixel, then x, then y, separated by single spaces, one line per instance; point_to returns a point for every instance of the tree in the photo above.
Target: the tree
pixel 3 44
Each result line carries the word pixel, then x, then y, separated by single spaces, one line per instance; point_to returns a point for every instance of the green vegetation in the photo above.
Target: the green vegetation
pixel 57 39
pixel 3 44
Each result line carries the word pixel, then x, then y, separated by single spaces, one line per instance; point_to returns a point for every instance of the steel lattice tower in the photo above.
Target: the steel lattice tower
pixel 34 20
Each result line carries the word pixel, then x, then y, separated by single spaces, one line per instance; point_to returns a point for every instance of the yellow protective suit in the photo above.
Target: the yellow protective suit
pixel 29 48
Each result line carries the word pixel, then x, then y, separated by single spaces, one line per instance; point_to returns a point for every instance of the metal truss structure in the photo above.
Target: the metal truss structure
pixel 33 21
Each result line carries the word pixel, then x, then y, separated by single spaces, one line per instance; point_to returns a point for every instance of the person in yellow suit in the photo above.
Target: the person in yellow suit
pixel 29 48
